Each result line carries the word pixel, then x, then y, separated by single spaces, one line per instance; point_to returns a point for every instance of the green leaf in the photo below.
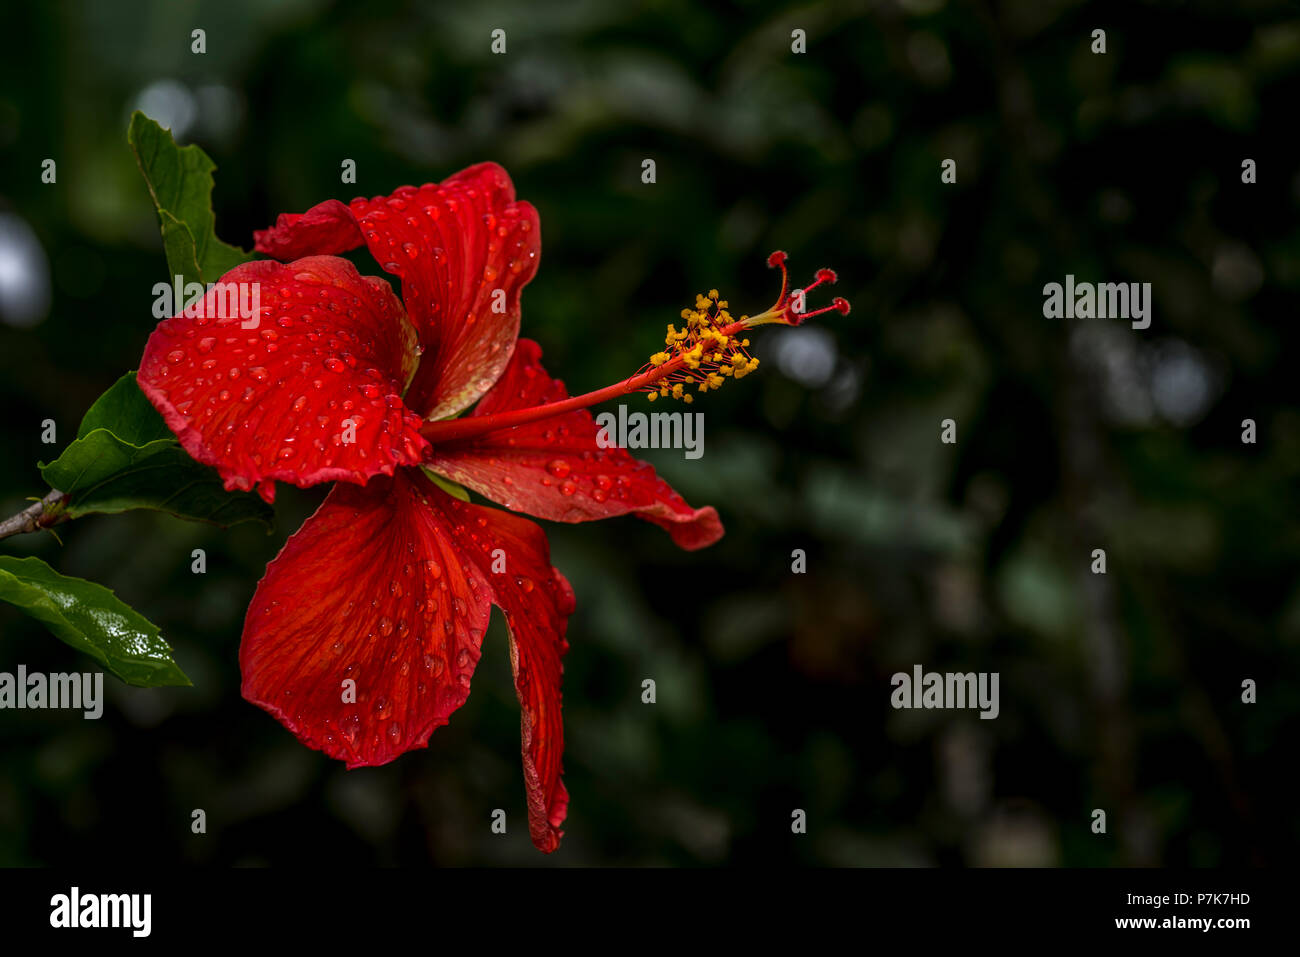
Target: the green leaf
pixel 127 413
pixel 92 619
pixel 125 457
pixel 180 182
pixel 101 473
pixel 448 486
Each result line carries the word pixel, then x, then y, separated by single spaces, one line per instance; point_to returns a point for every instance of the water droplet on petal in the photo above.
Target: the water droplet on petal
pixel 558 467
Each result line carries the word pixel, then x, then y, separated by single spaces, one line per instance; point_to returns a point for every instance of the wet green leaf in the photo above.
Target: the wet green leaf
pixel 180 182
pixel 125 457
pixel 90 618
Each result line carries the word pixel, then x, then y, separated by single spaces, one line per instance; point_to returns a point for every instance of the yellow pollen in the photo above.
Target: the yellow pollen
pixel 702 351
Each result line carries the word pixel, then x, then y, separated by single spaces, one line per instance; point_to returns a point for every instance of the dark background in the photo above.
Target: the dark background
pixel 1119 692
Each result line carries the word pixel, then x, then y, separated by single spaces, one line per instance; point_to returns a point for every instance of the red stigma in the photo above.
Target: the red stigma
pixel 784 306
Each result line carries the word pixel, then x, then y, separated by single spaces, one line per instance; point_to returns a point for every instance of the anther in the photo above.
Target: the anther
pixel 707 350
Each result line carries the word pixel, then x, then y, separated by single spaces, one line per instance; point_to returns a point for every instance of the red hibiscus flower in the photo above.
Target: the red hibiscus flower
pixel 365 631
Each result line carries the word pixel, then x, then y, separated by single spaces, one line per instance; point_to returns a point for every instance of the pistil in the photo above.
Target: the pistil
pixel 703 353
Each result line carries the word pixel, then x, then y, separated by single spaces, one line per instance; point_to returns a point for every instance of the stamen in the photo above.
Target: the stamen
pixel 709 349
pixel 703 353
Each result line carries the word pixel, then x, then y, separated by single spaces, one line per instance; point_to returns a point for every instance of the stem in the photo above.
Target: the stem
pixel 475 425
pixel 34 517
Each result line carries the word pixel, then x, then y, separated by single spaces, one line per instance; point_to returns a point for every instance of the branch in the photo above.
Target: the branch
pixel 34 517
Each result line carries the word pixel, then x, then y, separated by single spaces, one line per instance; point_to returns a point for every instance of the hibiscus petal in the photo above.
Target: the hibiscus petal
pixel 324 230
pixel 373 589
pixel 389 586
pixel 464 248
pixel 537 602
pixel 311 394
pixel 554 469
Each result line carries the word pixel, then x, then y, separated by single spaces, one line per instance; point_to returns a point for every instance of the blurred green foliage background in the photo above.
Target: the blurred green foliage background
pixel 1119 692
